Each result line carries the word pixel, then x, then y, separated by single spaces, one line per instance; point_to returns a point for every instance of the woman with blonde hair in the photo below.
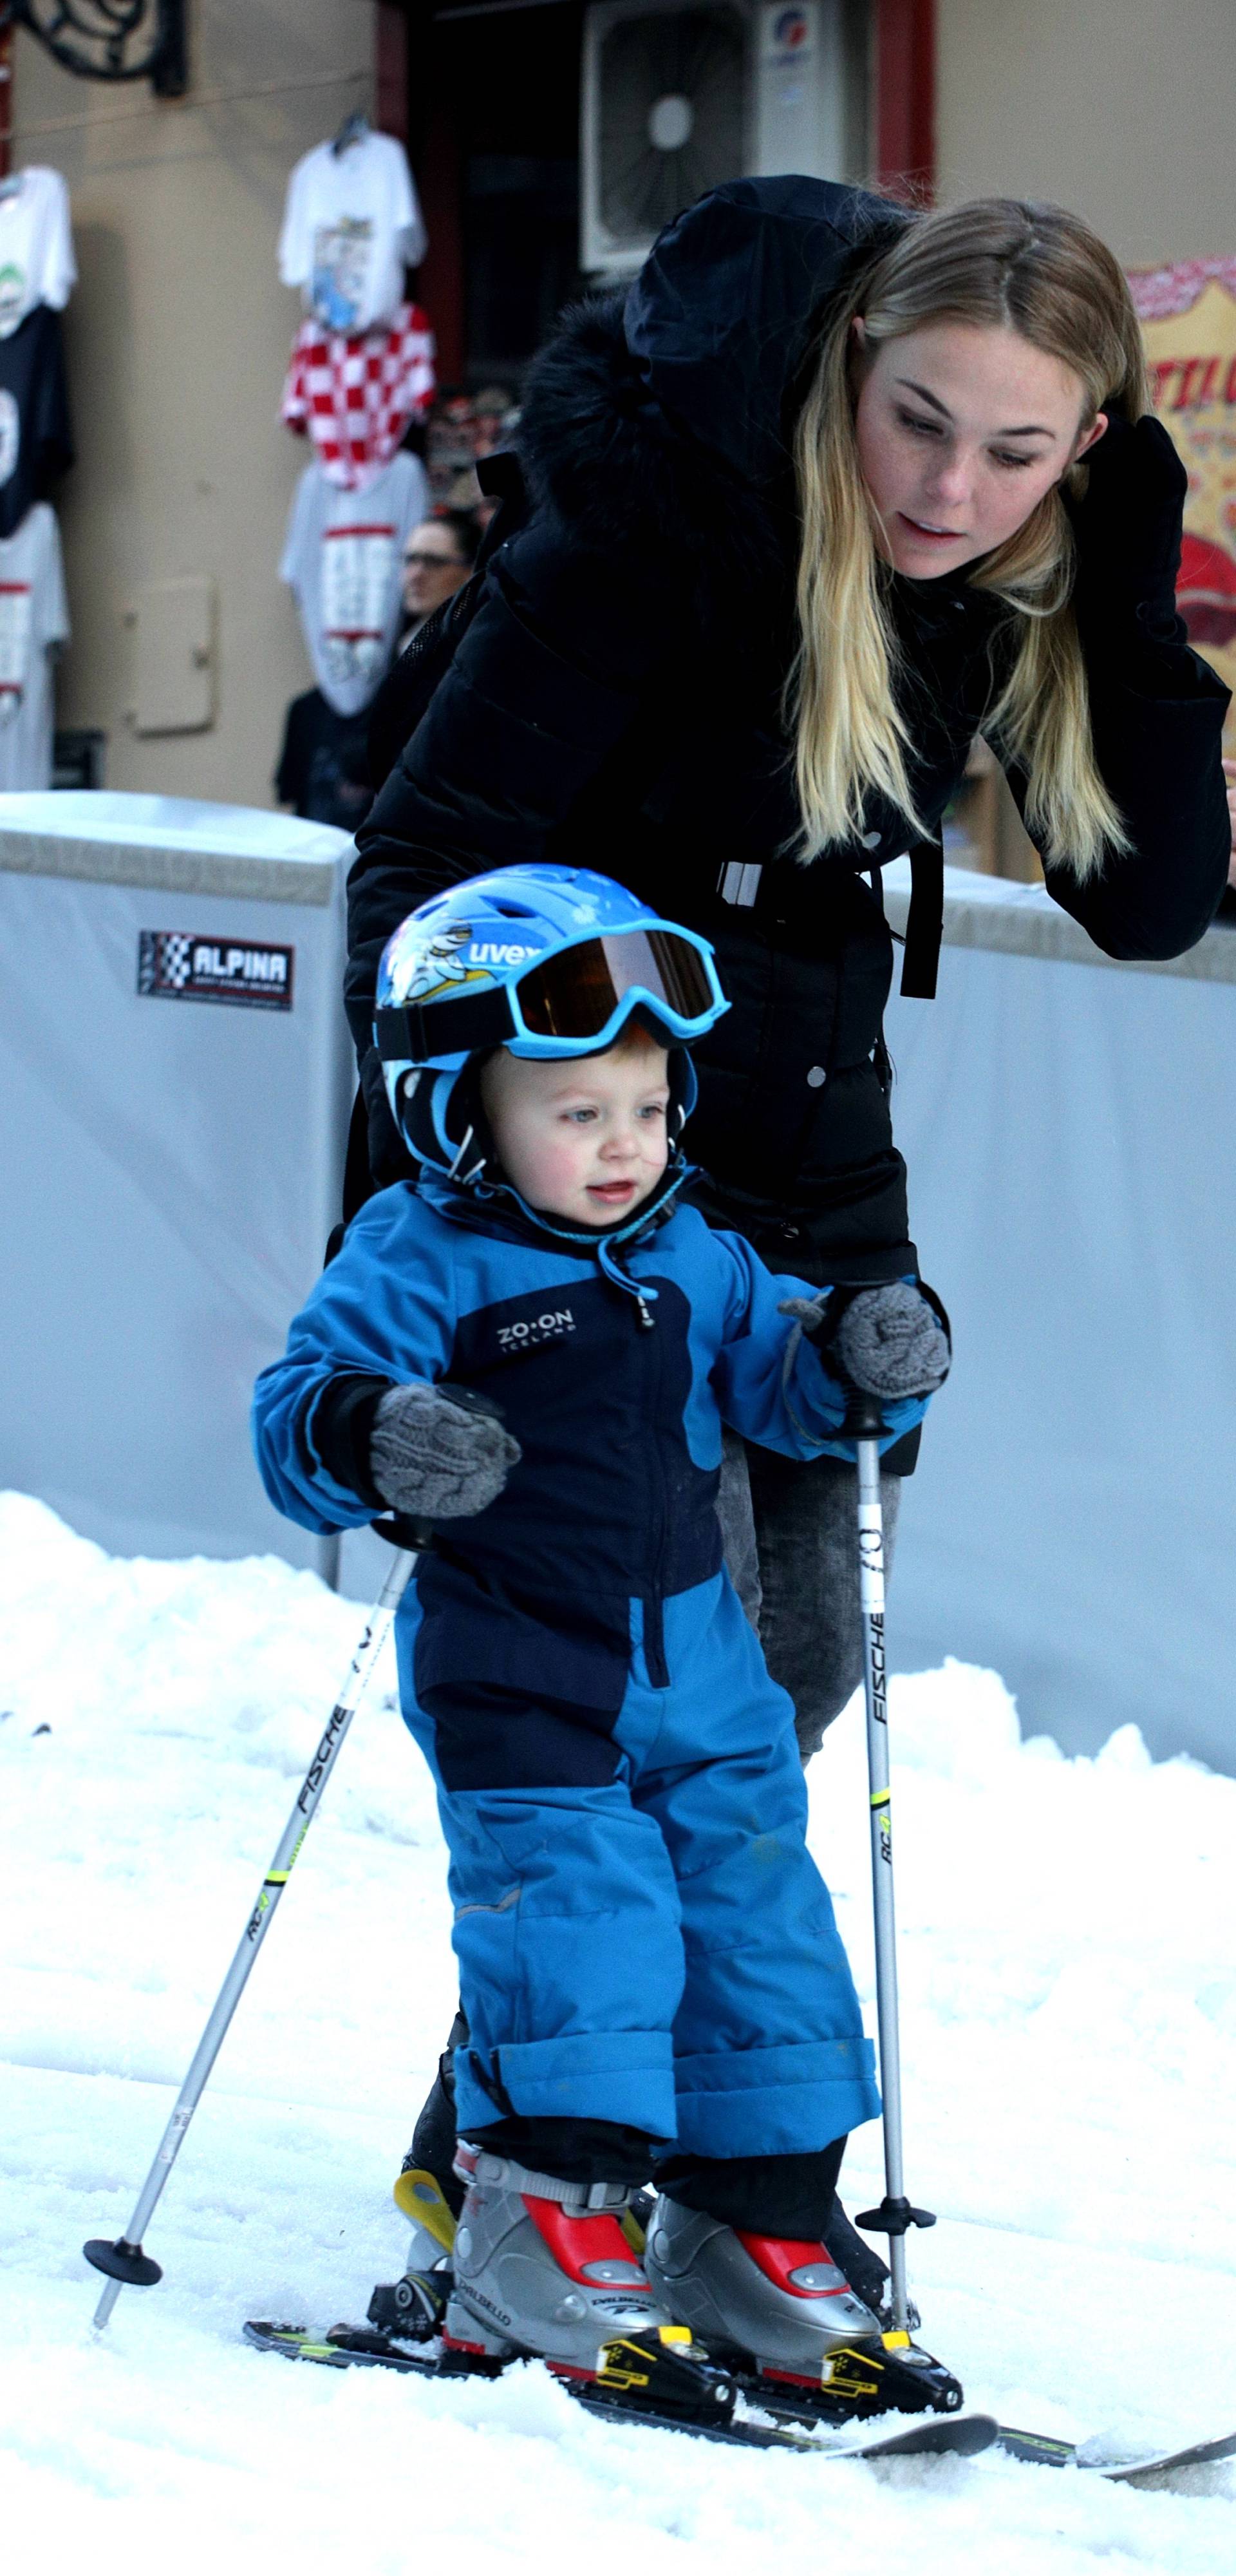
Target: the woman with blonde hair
pixel 830 490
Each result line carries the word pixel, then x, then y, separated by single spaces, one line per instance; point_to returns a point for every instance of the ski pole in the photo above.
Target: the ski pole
pixel 895 2213
pixel 125 2261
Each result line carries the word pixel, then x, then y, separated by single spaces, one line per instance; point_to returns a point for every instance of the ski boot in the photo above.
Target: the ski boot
pixel 414 2306
pixel 781 2314
pixel 867 2274
pixel 543 2271
pixel 429 2192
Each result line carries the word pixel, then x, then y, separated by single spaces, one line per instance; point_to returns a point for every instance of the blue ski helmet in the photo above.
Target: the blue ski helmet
pixel 550 962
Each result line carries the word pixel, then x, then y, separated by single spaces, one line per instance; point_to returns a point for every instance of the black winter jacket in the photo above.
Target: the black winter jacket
pixel 616 703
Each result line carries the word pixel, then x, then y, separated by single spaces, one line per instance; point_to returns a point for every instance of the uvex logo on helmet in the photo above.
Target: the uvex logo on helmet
pixel 500 952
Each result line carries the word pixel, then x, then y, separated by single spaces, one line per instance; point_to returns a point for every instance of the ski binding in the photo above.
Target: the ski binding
pixel 655 2380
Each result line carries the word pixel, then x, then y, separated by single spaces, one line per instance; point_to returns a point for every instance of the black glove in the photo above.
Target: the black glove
pixel 892 1341
pixel 1127 526
pixel 428 1452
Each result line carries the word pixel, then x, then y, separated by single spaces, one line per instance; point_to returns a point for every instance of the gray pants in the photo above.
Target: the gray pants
pixel 792 1554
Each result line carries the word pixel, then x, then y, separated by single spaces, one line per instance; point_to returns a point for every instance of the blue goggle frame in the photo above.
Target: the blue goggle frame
pixel 581 984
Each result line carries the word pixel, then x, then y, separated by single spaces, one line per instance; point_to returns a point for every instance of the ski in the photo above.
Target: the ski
pixel 1125 2468
pixel 361 2347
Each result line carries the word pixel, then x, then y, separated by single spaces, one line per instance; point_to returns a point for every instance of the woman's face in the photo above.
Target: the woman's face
pixel 962 427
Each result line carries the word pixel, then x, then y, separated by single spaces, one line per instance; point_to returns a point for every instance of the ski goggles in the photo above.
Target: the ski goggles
pixel 573 1002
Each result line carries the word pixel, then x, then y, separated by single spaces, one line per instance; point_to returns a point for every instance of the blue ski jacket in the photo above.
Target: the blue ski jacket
pixel 614 1366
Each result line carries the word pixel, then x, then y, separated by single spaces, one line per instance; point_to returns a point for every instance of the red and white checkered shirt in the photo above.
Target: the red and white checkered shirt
pixel 355 394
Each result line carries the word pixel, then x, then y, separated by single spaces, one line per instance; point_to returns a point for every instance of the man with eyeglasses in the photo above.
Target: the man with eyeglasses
pixel 437 558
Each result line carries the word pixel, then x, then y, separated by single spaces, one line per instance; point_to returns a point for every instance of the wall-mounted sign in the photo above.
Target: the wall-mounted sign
pixel 180 966
pixel 1188 316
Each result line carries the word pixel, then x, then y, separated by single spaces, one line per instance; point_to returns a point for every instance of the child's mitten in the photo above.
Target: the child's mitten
pixel 892 1341
pixel 438 1452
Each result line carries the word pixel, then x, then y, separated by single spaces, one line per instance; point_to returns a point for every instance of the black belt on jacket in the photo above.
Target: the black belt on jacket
pixel 738 884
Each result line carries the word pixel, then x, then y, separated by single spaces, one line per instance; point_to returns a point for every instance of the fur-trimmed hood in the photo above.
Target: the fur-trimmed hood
pixel 652 409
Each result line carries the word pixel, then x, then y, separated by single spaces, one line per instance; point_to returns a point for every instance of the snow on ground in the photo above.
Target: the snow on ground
pixel 1069 2012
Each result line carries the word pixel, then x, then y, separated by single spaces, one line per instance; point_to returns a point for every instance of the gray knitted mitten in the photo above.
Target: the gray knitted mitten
pixel 437 1453
pixel 889 1341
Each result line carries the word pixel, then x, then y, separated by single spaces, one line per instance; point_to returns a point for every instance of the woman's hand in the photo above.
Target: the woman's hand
pixel 1229 772
pixel 1128 524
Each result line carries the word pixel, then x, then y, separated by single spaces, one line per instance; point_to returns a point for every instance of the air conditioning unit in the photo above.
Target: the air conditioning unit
pixel 679 95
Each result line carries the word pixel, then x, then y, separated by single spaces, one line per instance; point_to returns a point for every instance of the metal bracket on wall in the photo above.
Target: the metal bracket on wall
pixel 110 40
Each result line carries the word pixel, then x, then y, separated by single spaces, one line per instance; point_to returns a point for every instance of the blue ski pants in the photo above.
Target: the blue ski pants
pixel 659 1950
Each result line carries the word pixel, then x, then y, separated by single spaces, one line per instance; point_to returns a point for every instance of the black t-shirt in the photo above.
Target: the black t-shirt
pixel 36 439
pixel 323 767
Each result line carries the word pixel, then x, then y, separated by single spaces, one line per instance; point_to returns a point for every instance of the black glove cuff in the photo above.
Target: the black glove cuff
pixel 339 1424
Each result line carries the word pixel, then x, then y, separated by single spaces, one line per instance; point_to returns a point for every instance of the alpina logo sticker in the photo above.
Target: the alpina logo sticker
pixel 180 966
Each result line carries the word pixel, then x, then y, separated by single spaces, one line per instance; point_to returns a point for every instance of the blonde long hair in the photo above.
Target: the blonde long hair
pixel 1043 273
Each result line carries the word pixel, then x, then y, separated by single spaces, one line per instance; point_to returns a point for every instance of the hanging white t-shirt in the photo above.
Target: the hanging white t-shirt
pixel 33 615
pixel 36 245
pixel 351 224
pixel 343 560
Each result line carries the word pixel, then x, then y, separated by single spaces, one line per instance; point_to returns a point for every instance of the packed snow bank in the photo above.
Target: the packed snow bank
pixel 1069 2019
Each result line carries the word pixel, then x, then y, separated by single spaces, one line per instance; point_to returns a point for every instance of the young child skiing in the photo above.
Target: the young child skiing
pixel 534 1348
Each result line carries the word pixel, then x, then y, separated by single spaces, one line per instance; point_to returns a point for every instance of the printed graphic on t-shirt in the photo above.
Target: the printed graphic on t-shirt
pixel 10 434
pixel 357 570
pixel 351 223
pixel 355 392
pixel 33 616
pixel 15 621
pixel 341 557
pixel 36 443
pixel 36 244
pixel 12 295
pixel 342 257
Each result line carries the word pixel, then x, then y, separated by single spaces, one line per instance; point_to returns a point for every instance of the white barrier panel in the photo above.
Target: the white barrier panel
pixel 1070 1131
pixel 175 1073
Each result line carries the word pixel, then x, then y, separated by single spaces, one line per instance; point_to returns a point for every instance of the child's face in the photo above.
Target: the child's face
pixel 584 1140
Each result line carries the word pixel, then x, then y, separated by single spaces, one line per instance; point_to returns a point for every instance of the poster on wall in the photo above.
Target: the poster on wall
pixel 1188 316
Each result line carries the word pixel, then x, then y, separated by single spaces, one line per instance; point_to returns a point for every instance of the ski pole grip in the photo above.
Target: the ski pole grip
pixel 864 1419
pixel 398 1531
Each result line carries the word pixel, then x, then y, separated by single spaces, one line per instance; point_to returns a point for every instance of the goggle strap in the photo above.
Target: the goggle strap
pixel 411 1032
